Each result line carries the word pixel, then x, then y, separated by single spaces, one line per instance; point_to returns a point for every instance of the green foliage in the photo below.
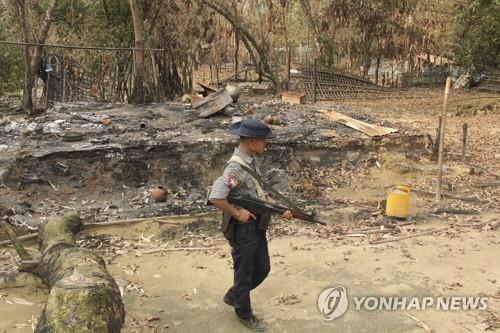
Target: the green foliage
pixel 11 61
pixel 346 33
pixel 11 69
pixel 477 34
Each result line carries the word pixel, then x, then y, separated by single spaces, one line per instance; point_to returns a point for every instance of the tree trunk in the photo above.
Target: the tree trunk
pixel 185 83
pixel 33 62
pixel 366 65
pixel 249 41
pixel 236 43
pixel 376 69
pixel 155 77
pixel 305 5
pixel 28 73
pixel 83 295
pixel 287 44
pixel 236 59
pixel 138 89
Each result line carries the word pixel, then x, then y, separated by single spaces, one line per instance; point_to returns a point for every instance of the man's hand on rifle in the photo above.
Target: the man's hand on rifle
pixel 287 215
pixel 244 216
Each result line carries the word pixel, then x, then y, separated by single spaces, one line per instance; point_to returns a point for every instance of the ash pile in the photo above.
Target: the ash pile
pixel 103 160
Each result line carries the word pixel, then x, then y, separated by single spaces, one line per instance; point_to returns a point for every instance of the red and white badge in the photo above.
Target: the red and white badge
pixel 232 180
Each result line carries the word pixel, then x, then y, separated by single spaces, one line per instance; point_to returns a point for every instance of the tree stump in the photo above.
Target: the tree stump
pixel 83 295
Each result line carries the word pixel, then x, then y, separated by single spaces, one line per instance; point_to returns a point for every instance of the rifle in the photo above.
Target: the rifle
pixel 262 207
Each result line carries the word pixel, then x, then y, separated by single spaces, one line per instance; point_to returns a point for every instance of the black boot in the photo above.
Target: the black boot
pixel 252 324
pixel 228 300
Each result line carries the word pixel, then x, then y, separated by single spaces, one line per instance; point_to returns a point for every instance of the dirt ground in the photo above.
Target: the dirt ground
pixel 181 291
pixel 185 291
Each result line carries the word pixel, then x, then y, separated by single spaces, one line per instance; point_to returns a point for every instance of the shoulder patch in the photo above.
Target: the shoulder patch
pixel 232 180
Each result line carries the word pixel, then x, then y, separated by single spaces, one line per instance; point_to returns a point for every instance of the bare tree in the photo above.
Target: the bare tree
pixel 138 89
pixel 288 55
pixel 236 41
pixel 32 60
pixel 248 40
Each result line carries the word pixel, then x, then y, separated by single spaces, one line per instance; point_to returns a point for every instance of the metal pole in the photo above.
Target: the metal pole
pixel 441 139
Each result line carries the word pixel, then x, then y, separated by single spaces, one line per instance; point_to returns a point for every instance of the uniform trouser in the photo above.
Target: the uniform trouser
pixel 251 265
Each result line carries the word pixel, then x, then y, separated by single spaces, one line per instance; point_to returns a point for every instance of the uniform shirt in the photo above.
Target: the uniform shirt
pixel 235 180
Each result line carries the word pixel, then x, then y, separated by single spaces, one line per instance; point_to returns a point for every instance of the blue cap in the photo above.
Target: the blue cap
pixel 251 128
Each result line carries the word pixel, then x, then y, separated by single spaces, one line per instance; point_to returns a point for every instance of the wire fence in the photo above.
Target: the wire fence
pixel 85 73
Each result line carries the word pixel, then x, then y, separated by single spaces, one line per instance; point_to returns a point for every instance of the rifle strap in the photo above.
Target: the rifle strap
pixel 261 183
pixel 236 159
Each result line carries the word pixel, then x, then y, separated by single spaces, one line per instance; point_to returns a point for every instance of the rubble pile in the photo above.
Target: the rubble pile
pixel 103 160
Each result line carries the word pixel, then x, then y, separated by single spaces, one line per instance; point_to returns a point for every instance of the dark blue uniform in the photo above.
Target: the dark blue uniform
pixel 249 243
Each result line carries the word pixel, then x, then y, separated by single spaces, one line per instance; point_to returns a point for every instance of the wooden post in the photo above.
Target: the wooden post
pixel 217 74
pixel 36 93
pixel 315 96
pixel 464 141
pixel 63 67
pixel 441 139
pixel 288 67
pixel 47 91
pixel 435 146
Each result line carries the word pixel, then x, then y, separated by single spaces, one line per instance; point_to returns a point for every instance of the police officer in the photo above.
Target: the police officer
pixel 245 230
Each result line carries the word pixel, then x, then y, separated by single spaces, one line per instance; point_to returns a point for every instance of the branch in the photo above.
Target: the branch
pixel 306 9
pixel 21 251
pixel 264 68
pixel 44 31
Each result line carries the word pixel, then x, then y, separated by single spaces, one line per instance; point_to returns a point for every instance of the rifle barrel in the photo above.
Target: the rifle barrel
pixel 258 206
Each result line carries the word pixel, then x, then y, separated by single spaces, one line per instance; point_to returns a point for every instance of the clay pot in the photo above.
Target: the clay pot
pixel 272 120
pixel 268 119
pixel 276 120
pixel 159 194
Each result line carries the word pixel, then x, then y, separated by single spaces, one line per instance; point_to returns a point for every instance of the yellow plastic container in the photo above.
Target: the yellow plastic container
pixel 398 201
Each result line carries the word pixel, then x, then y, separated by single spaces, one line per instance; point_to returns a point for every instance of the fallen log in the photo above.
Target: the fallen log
pixel 454 211
pixel 469 225
pixel 119 222
pixel 473 166
pixel 487 184
pixel 83 296
pixel 397 239
pixel 179 249
pixel 448 195
pixel 368 232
